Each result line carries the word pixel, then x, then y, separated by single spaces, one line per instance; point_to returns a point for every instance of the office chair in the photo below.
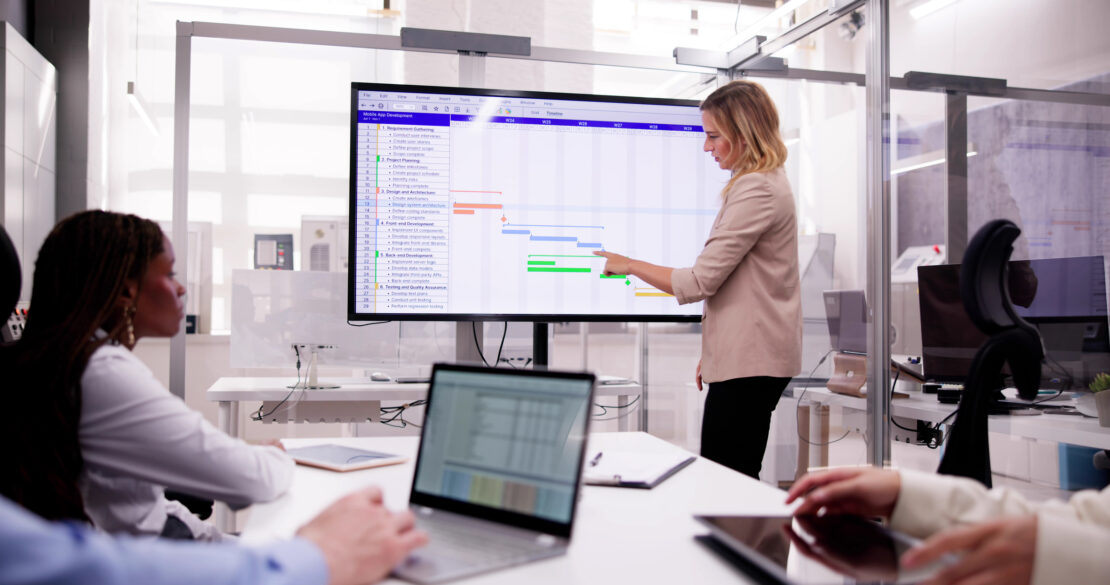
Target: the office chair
pixel 985 290
pixel 11 276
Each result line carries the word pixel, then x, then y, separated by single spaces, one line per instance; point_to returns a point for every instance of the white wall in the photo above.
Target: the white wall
pixel 29 134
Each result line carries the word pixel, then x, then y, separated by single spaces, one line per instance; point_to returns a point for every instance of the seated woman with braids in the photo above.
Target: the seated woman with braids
pixel 90 434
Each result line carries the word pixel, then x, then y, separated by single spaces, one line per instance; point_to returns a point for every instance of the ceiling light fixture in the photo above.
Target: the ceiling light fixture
pixel 141 108
pixel 928 159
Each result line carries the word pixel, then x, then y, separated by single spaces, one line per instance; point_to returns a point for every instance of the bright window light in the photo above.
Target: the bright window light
pixel 285 211
pixel 141 108
pixel 664 10
pixel 928 7
pixel 206 206
pixel 614 15
pixel 219 308
pixel 763 23
pixel 785 52
pixel 153 205
pixel 323 7
pixel 217 265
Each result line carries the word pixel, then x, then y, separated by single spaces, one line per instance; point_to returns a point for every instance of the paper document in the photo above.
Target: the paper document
pixel 633 468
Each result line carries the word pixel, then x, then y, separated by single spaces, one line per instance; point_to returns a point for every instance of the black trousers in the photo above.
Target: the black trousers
pixel 736 421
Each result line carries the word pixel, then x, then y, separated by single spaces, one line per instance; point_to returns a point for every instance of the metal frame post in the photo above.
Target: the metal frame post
pixel 472 69
pixel 955 146
pixel 878 232
pixel 468 350
pixel 472 73
pixel 180 229
pixel 645 372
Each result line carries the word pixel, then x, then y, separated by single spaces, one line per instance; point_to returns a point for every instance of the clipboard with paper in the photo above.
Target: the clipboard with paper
pixel 633 469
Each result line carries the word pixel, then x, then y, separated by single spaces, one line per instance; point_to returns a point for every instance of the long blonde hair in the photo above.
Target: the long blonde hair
pixel 745 115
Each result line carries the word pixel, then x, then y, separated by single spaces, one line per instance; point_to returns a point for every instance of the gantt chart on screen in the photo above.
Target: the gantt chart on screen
pixel 474 204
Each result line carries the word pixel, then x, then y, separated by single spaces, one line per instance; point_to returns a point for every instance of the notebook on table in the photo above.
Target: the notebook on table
pixel 498 470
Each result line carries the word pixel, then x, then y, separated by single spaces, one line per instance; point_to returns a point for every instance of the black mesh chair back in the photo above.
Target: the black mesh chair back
pixel 985 291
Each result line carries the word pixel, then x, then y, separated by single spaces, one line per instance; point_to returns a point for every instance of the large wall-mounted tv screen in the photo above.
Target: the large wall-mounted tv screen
pixel 475 204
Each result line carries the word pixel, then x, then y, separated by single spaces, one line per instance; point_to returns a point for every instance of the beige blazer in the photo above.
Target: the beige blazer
pixel 1073 537
pixel 748 276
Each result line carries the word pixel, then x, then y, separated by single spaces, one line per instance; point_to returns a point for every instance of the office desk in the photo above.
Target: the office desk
pixel 230 391
pixel 1072 429
pixel 620 536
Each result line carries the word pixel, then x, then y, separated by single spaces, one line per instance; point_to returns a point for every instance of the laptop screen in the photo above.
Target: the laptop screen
pixel 846 312
pixel 505 445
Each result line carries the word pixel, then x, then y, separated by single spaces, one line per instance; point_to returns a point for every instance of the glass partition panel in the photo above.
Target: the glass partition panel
pixel 1038 164
pixel 1039 44
pixel 271 153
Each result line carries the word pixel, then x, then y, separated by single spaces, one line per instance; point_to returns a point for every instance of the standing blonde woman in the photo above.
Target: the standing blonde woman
pixel 748 276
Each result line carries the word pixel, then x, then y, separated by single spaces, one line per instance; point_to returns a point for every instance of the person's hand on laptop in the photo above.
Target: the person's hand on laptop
pixel 863 491
pixel 360 539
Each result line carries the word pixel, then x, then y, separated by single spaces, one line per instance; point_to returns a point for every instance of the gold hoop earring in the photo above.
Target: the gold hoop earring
pixel 128 313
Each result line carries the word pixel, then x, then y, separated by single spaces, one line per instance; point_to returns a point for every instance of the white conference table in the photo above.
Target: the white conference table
pixel 621 535
pixel 1060 428
pixel 230 391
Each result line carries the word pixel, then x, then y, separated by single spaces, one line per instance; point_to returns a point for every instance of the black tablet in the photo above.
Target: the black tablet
pixel 817 550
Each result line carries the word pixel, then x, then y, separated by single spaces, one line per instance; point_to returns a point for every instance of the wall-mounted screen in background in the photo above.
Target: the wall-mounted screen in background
pixel 472 204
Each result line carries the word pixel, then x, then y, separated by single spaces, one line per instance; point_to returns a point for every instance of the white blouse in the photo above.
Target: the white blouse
pixel 137 439
pixel 1073 537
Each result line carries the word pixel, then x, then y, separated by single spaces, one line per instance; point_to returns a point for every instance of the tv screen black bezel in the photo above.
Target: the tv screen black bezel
pixel 354 316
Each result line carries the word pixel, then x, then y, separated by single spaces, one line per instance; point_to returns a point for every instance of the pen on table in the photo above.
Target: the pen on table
pixel 595 459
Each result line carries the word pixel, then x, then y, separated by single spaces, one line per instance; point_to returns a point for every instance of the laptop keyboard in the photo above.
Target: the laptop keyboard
pixel 458 541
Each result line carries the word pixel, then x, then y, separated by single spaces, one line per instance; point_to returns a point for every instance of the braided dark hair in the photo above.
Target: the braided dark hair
pixel 81 273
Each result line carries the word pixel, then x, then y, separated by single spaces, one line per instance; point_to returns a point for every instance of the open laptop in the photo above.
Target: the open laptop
pixel 846 313
pixel 498 470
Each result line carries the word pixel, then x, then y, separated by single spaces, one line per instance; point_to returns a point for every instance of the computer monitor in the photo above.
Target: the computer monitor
pixel 475 204
pixel 1064 298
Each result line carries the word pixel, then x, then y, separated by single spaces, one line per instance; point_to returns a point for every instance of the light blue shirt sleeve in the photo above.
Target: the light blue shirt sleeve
pixel 33 551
